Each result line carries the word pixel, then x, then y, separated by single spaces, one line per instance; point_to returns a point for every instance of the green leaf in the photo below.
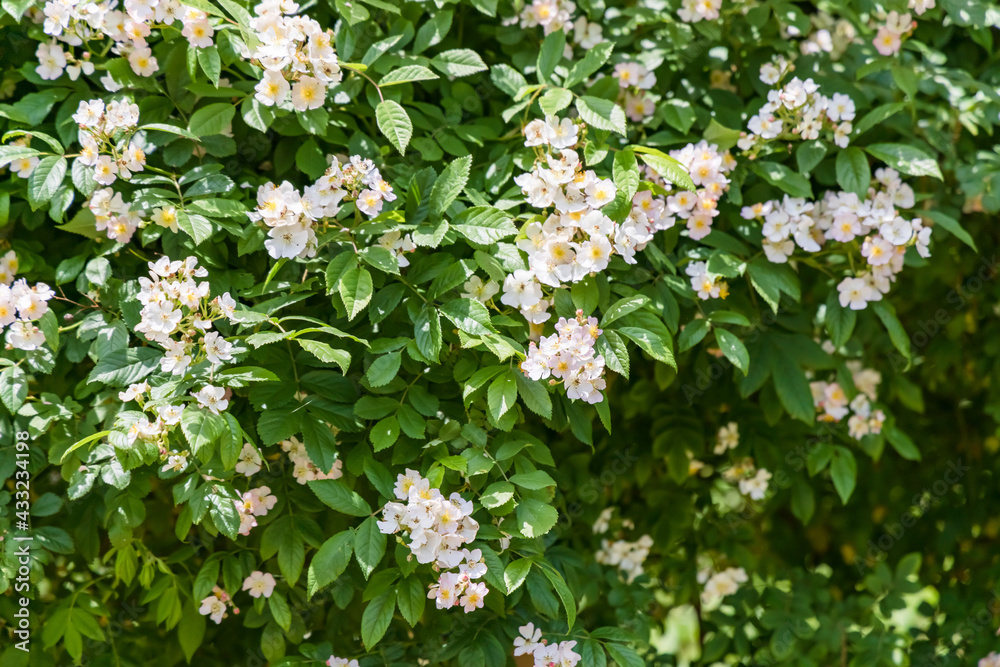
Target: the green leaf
pixel 535 518
pixel 195 226
pixel 906 159
pixel 902 443
pixel 502 395
pixel 468 315
pixel 601 114
pixel 320 443
pixel 334 493
pixel 839 321
pixel 458 62
pixel 562 590
pixel 212 119
pixel 535 480
pixel 449 185
pixel 792 387
pixel 325 353
pixel 330 561
pixel 407 74
pixel 384 433
pixel 201 430
pixel 555 100
pixel 844 471
pixel 497 494
pixel 623 307
pixel 809 154
pixel 46 179
pixel 592 61
pixel 427 332
pixel 124 367
pixel 211 64
pixel 483 225
pixel 394 123
pixel 951 225
pixel 376 618
pixel 897 334
pixel 191 630
pixel 516 573
pixel 355 288
pixel 383 369
pixel 667 167
pixel 624 656
pixel 733 348
pixel 369 545
pixel 783 178
pixel 877 116
pixel 652 344
pixel 853 173
pixel 772 280
pixel 534 395
pixel 550 54
pixel 280 610
pixel 411 598
pixel 13 388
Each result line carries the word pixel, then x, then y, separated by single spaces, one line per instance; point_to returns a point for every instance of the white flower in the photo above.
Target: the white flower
pixel 213 607
pixel 89 113
pixel 272 89
pixel 249 460
pixel 728 438
pixel 476 289
pixel 199 33
pixel 259 584
pixel 560 133
pixel 212 398
pixel 521 290
pixel 51 61
pixel 308 93
pixel 142 62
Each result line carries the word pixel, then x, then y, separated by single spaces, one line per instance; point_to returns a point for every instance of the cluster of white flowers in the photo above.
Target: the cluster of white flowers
pixel 174 303
pixel 727 438
pixel 752 482
pixel 81 22
pixel 921 6
pixel 437 528
pixel 796 109
pixel 720 584
pixel 303 469
pixel 113 216
pixel 110 158
pixel 577 239
pixel 555 15
pixel 259 584
pixel 845 217
pixel 296 49
pixel 254 503
pixel 559 654
pixel 708 168
pixel 568 357
pixel 830 35
pixel 291 217
pixel 889 38
pixel 21 305
pixel 635 79
pixel 832 404
pixel 165 415
pixel 708 285
pixel 693 11
pixel 552 15
pixel 216 606
pixel 626 556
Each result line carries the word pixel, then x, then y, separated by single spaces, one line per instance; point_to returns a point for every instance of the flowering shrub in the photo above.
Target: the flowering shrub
pixel 484 332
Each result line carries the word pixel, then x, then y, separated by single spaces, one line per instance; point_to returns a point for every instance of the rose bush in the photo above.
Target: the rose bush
pixel 476 332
